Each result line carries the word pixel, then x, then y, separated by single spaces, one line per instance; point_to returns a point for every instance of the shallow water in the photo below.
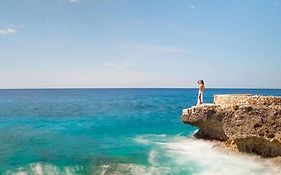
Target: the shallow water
pixel 112 131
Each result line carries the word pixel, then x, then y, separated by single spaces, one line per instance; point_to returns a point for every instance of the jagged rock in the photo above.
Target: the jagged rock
pixel 252 128
pixel 259 145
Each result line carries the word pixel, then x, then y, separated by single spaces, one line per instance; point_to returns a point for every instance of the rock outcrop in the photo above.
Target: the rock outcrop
pixel 248 123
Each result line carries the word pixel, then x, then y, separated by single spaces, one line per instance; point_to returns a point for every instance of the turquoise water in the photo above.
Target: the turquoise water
pixel 112 131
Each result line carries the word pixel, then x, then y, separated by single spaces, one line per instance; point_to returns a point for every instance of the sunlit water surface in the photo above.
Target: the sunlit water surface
pixel 113 131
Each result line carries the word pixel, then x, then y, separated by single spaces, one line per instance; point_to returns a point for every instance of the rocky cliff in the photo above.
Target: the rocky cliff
pixel 247 123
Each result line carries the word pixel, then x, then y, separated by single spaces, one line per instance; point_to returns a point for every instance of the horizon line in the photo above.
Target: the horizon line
pixel 66 88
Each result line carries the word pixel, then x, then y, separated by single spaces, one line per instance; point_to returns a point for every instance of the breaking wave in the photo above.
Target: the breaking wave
pixel 42 169
pixel 199 157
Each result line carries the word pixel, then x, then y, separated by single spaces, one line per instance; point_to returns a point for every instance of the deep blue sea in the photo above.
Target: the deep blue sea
pixel 113 131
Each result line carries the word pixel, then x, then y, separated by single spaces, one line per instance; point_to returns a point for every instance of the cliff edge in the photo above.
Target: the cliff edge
pixel 248 123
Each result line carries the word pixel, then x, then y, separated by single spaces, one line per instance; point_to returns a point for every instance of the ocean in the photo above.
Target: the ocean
pixel 113 131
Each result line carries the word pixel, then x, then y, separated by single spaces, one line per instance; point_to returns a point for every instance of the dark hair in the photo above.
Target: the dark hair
pixel 200 82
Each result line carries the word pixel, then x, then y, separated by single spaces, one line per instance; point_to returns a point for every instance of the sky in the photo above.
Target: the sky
pixel 140 43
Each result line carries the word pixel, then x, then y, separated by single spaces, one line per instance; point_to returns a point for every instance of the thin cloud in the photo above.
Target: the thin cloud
pixel 192 7
pixel 7 31
pixel 74 1
pixel 71 1
pixel 118 65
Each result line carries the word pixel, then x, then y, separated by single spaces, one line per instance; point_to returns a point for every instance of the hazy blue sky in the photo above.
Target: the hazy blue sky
pixel 140 43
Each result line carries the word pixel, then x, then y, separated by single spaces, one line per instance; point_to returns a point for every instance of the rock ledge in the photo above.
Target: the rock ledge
pixel 249 123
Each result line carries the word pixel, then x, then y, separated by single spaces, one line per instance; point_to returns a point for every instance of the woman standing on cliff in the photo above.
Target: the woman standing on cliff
pixel 200 93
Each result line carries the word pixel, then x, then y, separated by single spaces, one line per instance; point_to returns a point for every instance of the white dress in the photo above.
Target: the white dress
pixel 200 94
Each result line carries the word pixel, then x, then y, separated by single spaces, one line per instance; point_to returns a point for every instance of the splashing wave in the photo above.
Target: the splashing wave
pixel 199 157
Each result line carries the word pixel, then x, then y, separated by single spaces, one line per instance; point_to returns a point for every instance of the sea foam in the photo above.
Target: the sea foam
pixel 42 169
pixel 199 157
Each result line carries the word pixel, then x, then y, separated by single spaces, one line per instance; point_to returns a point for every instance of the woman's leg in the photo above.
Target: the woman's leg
pixel 199 101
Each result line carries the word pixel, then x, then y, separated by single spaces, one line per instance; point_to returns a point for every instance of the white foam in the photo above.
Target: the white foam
pixel 37 169
pixel 149 138
pixel 120 169
pixel 141 140
pixel 20 173
pixel 152 157
pixel 41 169
pixel 199 157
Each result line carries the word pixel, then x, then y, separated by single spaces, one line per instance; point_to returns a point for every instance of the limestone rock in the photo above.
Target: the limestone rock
pixel 251 126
